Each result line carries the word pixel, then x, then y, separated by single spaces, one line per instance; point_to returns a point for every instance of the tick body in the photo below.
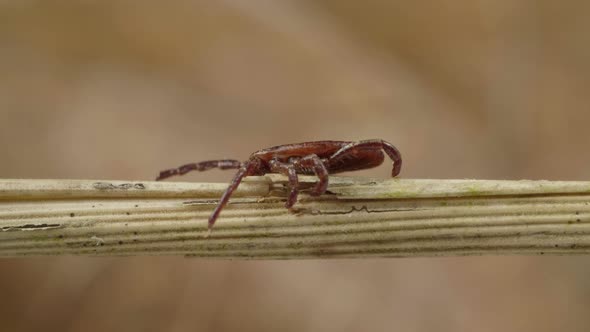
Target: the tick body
pixel 320 158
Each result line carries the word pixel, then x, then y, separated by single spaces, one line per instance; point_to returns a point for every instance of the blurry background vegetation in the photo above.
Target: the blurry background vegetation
pixel 466 89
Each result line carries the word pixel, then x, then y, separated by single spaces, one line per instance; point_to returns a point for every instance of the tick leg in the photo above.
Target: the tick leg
pixel 314 162
pixel 249 168
pixel 395 155
pixel 287 170
pixel 202 166
pixel 374 144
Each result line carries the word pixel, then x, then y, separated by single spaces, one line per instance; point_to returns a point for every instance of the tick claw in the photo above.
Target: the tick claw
pixel 208 234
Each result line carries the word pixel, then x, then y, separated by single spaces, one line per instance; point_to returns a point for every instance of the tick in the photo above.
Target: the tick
pixel 319 158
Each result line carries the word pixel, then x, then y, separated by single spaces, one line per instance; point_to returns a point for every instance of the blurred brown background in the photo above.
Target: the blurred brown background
pixel 465 89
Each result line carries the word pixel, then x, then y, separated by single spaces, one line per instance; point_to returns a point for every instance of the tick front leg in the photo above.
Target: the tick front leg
pixel 249 168
pixel 289 171
pixel 314 162
pixel 202 166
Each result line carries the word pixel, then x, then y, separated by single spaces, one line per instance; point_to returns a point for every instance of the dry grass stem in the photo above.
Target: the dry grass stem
pixel 358 217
